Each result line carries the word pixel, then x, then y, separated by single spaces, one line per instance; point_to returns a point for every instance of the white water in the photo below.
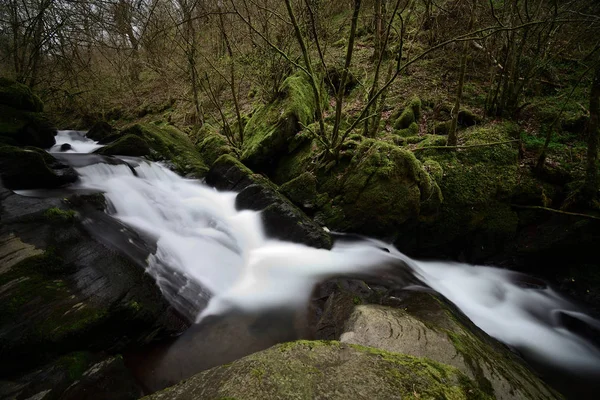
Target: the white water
pixel 79 143
pixel 209 251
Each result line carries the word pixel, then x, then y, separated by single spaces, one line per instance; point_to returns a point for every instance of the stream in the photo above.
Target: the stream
pixel 212 261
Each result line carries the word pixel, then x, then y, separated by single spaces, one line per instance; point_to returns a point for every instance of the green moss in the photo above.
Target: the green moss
pixel 415 106
pixel 382 187
pixel 301 190
pixel 26 128
pixel 128 145
pixel 272 127
pixel 212 146
pixel 434 169
pixel 477 185
pixel 169 143
pixel 25 169
pixel 412 130
pixel 75 364
pixel 405 119
pixel 19 96
pixel 58 215
pixel 442 128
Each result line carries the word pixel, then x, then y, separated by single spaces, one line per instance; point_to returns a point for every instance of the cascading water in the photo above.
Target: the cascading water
pixel 212 258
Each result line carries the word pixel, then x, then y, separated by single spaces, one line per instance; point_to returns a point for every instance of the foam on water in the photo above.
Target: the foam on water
pixel 79 143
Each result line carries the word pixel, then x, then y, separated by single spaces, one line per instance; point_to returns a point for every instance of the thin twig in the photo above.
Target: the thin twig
pixel 556 211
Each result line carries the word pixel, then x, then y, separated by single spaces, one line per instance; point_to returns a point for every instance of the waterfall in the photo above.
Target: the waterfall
pixel 212 258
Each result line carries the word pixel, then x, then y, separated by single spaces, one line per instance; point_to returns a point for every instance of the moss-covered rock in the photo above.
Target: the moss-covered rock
pixel 19 96
pixel 411 130
pixel 101 131
pixel 326 370
pixel 382 187
pixel 69 292
pixel 281 218
pixel 410 114
pixel 212 145
pixel 128 145
pixel 167 143
pixel 301 190
pixel 28 169
pixel 272 127
pixel 26 128
pixel 477 185
pixel 422 325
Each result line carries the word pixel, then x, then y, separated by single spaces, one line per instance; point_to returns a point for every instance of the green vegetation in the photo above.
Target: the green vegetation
pixel 166 142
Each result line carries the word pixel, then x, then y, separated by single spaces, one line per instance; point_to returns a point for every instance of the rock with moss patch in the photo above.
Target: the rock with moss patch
pixel 326 370
pixel 477 185
pixel 167 143
pixel 301 190
pixel 25 128
pixel 410 114
pixel 411 130
pixel 272 127
pixel 423 326
pixel 19 96
pixel 101 131
pixel 382 187
pixel 128 145
pixel 62 290
pixel 29 169
pixel 282 219
pixel 212 145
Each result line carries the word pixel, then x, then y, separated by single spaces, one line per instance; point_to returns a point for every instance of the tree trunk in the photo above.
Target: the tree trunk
pixel 591 185
pixel 452 134
pixel 342 88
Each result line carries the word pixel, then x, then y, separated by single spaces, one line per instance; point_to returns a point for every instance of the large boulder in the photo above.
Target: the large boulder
pixel 422 325
pixel 167 143
pixel 78 375
pixel 128 145
pixel 19 96
pixel 211 144
pixel 31 168
pixel 326 370
pixel 21 120
pixel 381 188
pixel 476 219
pixel 272 127
pixel 62 290
pixel 101 131
pixel 282 219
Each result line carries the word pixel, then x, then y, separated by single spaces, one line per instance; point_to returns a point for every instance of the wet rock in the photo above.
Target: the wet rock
pixel 101 131
pixel 326 370
pixel 80 375
pixel 66 291
pixel 282 219
pixel 421 325
pixel 65 147
pixel 29 168
pixel 128 145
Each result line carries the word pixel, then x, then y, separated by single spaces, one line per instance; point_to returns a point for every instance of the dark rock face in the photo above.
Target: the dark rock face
pixel 19 96
pixel 30 168
pixel 21 120
pixel 62 291
pixel 100 131
pixel 79 375
pixel 128 145
pixel 282 219
pixel 65 147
